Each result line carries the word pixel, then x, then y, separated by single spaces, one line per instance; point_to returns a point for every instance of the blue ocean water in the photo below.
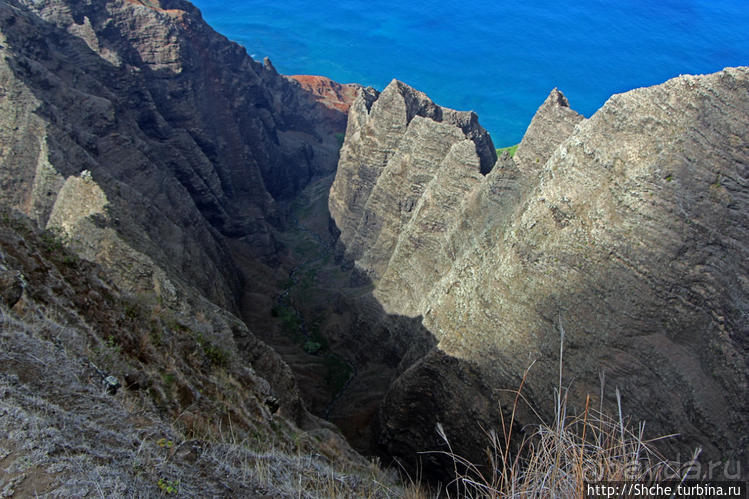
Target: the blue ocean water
pixel 499 58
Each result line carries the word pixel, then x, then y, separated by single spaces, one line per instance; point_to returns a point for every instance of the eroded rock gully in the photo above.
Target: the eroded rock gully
pixel 412 278
pixel 155 147
pixel 628 230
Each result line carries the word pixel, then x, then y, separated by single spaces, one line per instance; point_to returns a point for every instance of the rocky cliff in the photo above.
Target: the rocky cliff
pixel 188 140
pixel 626 230
pixel 155 146
pixel 333 95
pixel 397 143
pixel 172 172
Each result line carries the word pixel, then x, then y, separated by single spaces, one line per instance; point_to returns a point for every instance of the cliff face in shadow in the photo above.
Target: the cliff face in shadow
pixel 157 148
pixel 189 141
pixel 627 230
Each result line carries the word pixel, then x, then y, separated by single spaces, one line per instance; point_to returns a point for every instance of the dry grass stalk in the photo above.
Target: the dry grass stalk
pixel 555 460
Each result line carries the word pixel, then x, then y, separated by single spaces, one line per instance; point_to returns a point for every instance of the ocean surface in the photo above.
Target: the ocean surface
pixel 499 58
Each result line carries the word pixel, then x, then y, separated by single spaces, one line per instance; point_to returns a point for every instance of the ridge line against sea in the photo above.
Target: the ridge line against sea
pixel 498 58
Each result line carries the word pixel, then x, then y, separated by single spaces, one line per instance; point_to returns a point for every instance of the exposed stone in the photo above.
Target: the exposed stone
pixel 627 230
pixel 553 122
pixel 111 384
pixel 269 65
pixel 11 286
pixel 328 92
pixel 395 143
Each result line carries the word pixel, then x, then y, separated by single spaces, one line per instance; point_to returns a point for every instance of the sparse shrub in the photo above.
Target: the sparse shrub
pixel 163 442
pixel 51 241
pixel 112 343
pixel 155 334
pixel 308 279
pixel 168 486
pixel 289 321
pixel 109 351
pixel 169 379
pixel 317 337
pixel 337 372
pixel 138 307
pixel 312 347
pixel 215 355
pixel 131 311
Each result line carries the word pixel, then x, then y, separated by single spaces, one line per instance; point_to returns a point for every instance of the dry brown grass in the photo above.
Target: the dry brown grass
pixel 66 437
pixel 556 459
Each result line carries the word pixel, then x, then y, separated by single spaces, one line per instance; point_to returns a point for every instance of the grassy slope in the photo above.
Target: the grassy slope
pixel 190 419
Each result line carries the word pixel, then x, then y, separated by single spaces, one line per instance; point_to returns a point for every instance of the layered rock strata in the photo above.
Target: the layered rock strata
pixel 626 230
pixel 154 146
pixel 396 143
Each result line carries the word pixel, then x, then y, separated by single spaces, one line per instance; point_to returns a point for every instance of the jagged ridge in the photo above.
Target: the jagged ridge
pixel 626 229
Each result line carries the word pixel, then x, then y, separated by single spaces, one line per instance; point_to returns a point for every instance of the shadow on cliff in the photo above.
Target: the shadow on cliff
pixel 191 158
pixel 182 158
pixel 405 385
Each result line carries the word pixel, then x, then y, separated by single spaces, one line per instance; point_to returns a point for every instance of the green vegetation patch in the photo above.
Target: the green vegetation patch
pixel 289 321
pixel 510 150
pixel 168 486
pixel 308 278
pixel 215 355
pixel 312 347
pixel 337 372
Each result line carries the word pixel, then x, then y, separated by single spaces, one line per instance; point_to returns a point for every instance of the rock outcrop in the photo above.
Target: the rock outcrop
pixel 626 230
pixel 553 122
pixel 336 96
pixel 396 143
